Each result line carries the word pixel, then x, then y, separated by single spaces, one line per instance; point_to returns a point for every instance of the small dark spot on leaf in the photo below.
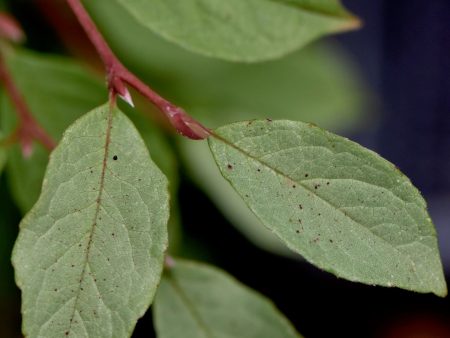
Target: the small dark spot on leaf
pixel 328 183
pixel 115 158
pixel 230 166
pixel 300 221
pixel 269 120
pixel 294 186
pixel 56 290
pixel 66 333
pixel 300 206
pixel 297 231
pixel 331 241
pixel 113 234
pixel 259 170
pixel 306 175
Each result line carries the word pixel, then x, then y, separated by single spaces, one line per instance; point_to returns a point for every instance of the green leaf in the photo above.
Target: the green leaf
pixel 199 301
pixel 251 30
pixel 89 254
pixel 341 206
pixel 317 84
pixel 200 163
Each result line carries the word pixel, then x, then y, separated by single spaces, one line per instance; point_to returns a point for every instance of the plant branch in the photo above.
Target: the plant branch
pixel 118 77
pixel 29 129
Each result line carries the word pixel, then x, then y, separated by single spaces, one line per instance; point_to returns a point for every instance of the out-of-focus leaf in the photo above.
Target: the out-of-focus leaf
pixel 341 206
pixel 199 301
pixel 200 163
pixel 317 84
pixel 89 254
pixel 249 31
pixel 57 91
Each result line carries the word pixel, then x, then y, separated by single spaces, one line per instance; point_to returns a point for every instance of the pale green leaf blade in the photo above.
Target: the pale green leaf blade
pixel 251 30
pixel 341 206
pixel 89 254
pixel 199 301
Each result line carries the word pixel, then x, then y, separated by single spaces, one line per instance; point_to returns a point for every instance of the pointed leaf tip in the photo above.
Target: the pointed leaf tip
pixel 341 206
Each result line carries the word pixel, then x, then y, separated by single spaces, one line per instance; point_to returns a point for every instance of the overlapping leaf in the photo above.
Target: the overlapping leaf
pixel 198 301
pixel 89 254
pixel 251 30
pixel 344 208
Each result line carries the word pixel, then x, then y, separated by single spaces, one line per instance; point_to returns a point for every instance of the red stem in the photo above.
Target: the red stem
pixel 29 129
pixel 119 76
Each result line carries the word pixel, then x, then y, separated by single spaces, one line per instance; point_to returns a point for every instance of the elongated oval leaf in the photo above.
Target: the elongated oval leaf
pixel 89 254
pixel 341 206
pixel 199 301
pixel 250 30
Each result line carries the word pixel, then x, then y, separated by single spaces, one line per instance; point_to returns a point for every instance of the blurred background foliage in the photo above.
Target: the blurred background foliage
pixel 327 83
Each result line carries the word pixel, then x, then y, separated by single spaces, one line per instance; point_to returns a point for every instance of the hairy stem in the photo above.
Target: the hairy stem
pixel 119 77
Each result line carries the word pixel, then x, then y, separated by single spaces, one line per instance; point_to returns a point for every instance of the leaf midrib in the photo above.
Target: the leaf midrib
pixel 278 172
pixel 97 211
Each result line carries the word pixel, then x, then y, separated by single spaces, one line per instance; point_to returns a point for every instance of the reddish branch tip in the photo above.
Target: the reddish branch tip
pixel 10 29
pixel 119 77
pixel 185 124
